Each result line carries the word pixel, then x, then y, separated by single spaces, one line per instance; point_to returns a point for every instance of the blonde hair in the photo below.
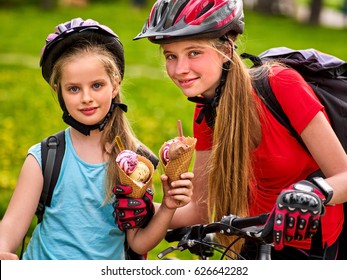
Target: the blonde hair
pixel 117 124
pixel 230 169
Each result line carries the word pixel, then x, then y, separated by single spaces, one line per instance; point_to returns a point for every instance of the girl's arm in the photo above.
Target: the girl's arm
pixel 22 207
pixel 179 194
pixel 327 151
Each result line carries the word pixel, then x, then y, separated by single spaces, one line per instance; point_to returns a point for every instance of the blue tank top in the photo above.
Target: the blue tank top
pixel 77 226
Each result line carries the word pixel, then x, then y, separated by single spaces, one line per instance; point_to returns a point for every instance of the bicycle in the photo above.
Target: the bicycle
pixel 199 239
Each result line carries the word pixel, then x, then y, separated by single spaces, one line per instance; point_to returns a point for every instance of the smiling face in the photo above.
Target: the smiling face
pixel 87 89
pixel 194 66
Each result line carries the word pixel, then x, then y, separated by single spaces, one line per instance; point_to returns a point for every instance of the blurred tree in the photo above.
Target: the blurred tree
pixel 315 11
pixel 48 4
pixel 265 6
pixel 273 7
pixel 344 7
pixel 344 12
pixel 77 3
pixel 139 3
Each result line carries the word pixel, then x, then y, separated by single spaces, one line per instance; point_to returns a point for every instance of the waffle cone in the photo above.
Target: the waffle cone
pixel 138 190
pixel 174 168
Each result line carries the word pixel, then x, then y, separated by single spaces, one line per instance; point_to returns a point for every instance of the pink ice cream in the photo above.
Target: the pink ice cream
pixel 166 149
pixel 127 160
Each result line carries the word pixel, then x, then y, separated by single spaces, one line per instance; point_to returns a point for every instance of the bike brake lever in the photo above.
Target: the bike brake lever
pixel 169 250
pixel 180 247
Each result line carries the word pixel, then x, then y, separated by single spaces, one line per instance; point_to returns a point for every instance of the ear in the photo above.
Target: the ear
pixel 116 85
pixel 115 91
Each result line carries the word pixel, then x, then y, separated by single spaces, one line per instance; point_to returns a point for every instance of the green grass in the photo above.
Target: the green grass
pixel 29 111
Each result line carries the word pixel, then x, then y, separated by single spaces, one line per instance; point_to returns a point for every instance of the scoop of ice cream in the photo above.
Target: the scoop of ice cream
pixel 166 149
pixel 141 173
pixel 176 149
pixel 127 160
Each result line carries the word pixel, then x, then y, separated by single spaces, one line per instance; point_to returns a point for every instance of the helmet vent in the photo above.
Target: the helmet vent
pixel 179 10
pixel 160 13
pixel 205 9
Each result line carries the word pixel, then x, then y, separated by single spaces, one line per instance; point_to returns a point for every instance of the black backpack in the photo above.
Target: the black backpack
pixel 52 154
pixel 327 75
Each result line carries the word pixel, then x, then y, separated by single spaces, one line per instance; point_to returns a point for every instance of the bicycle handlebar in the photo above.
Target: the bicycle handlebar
pixel 193 237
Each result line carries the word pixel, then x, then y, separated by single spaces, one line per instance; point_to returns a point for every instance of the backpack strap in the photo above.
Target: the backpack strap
pixel 266 94
pixel 52 153
pixel 256 60
pixel 263 89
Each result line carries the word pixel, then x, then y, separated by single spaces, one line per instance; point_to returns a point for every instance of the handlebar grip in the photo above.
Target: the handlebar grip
pixel 176 234
pixel 241 223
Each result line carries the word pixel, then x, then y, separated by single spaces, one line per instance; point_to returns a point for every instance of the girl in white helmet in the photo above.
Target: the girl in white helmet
pixel 83 62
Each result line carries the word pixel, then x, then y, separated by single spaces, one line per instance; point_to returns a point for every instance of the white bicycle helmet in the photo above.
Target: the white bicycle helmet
pixel 70 33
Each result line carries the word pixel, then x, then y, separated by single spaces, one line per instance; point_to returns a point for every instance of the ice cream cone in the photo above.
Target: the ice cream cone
pixel 174 168
pixel 138 188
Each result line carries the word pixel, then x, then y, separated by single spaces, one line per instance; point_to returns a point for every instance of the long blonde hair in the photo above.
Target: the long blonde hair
pixel 233 140
pixel 117 124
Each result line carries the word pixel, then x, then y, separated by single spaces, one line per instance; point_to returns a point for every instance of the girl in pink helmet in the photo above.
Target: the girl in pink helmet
pixel 245 159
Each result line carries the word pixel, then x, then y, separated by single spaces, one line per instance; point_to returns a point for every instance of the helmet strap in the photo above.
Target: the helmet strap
pixel 85 129
pixel 209 105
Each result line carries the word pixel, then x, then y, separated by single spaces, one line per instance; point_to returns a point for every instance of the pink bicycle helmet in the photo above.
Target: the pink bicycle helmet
pixel 171 20
pixel 75 32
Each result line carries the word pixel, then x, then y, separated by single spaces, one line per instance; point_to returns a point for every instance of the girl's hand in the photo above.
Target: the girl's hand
pixel 296 214
pixel 132 212
pixel 8 256
pixel 179 193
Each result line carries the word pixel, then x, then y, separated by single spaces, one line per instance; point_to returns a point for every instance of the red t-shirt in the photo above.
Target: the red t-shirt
pixel 280 160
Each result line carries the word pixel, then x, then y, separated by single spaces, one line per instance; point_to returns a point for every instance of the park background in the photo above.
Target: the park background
pixel 29 110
